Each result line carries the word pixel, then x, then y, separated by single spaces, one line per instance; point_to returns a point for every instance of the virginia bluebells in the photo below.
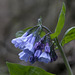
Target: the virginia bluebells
pixel 23 56
pixel 37 54
pixel 47 48
pixel 30 46
pixel 34 48
pixel 45 57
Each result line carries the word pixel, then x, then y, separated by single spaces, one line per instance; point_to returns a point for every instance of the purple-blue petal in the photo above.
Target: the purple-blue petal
pixel 45 57
pixel 25 34
pixel 47 48
pixel 28 51
pixel 17 42
pixel 31 59
pixel 23 56
pixel 37 44
pixel 42 46
pixel 29 48
pixel 33 40
pixel 37 53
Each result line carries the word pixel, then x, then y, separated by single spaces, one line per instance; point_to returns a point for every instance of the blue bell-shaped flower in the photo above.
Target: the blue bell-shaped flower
pixel 23 56
pixel 30 46
pixel 45 57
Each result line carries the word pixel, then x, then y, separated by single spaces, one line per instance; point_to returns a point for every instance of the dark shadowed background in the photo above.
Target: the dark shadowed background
pixel 19 14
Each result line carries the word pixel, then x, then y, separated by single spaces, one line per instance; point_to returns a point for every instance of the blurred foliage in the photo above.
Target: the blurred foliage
pixel 17 69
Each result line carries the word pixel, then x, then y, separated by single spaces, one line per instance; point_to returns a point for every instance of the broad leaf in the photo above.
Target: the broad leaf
pixel 17 69
pixel 20 33
pixel 69 36
pixel 60 23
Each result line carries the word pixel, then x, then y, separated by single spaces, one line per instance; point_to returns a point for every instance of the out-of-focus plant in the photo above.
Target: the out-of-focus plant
pixel 37 44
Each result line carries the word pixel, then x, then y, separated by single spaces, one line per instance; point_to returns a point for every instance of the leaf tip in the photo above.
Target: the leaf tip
pixel 64 8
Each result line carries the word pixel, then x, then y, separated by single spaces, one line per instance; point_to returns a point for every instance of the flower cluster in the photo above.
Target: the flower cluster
pixel 44 52
pixel 35 48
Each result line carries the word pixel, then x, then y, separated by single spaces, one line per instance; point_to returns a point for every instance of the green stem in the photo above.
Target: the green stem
pixel 46 28
pixel 64 57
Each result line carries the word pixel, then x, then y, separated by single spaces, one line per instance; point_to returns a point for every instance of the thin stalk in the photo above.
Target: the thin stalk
pixel 64 57
pixel 46 28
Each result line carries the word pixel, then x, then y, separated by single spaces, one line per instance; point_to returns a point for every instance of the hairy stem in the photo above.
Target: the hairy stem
pixel 64 57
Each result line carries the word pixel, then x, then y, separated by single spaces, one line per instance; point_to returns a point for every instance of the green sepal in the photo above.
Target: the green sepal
pixel 21 32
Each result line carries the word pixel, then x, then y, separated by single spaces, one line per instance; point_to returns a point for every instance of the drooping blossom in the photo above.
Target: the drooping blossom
pixel 37 54
pixel 47 48
pixel 35 48
pixel 30 46
pixel 45 57
pixel 23 56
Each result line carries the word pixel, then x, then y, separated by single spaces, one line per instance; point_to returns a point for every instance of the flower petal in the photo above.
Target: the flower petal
pixel 25 34
pixel 33 40
pixel 47 48
pixel 30 46
pixel 37 53
pixel 23 56
pixel 31 59
pixel 45 57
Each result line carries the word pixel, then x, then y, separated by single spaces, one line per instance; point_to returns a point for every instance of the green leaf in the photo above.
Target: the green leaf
pixel 17 69
pixel 69 36
pixel 20 33
pixel 60 23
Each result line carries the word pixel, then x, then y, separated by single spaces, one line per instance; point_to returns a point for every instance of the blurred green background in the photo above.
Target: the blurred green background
pixel 16 15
